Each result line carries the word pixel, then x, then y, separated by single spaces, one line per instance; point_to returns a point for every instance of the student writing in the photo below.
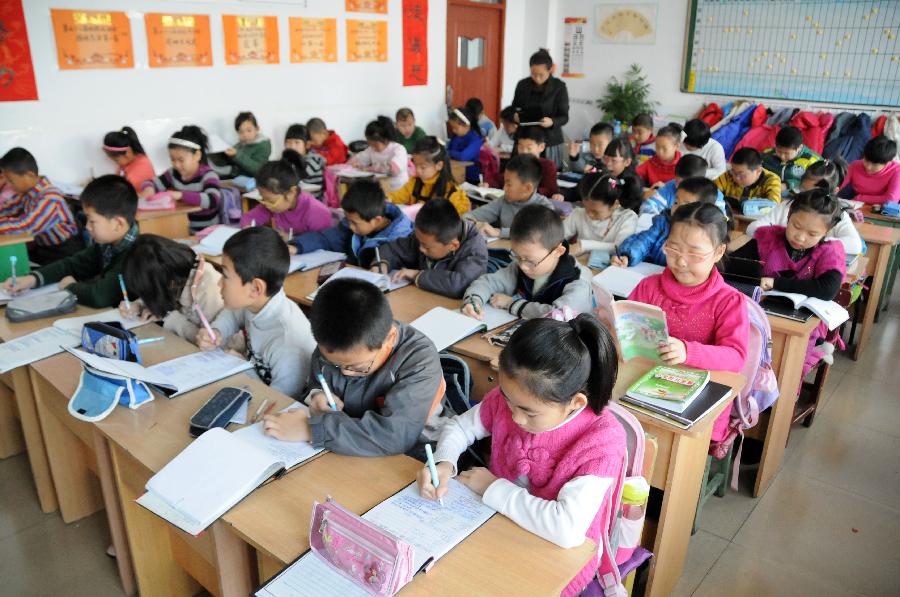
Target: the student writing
pixel 408 132
pixel 601 134
pixel 530 140
pixel 606 216
pixel 698 141
pixel 465 144
pixel 433 179
pixel 383 155
pixel 747 179
pixel 297 139
pixel 875 179
pixel 326 142
pixel 790 158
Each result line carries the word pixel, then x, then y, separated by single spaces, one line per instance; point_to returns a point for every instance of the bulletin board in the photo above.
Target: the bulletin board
pixel 833 51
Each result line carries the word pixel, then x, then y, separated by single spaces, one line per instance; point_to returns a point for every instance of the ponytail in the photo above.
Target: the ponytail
pixel 191 138
pixel 381 130
pixel 830 173
pixel 819 201
pixel 116 142
pixel 278 176
pixel 627 189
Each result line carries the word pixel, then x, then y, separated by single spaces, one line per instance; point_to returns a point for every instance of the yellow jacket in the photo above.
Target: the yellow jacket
pixel 767 186
pixel 406 194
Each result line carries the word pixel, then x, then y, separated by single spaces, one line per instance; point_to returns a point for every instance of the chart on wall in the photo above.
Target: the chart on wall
pixel 839 51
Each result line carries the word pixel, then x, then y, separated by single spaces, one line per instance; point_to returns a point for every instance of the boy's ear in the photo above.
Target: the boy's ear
pixel 121 222
pixel 532 187
pixel 542 147
pixel 454 244
pixel 560 250
pixel 258 287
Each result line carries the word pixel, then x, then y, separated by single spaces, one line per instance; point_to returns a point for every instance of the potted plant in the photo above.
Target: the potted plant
pixel 627 98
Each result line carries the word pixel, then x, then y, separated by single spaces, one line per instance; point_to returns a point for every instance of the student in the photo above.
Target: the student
pixel 385 377
pixel 660 167
pixel 325 142
pixel 190 179
pixel 125 150
pixel 557 452
pixel 799 259
pixel 875 179
pixel 297 139
pixel 169 279
pixel 369 221
pixel 688 166
pixel 648 245
pixel 707 318
pixel 520 182
pixel 487 126
pixel 290 210
pixel 278 341
pixel 587 161
pixel 543 275
pixel 92 274
pixel 383 155
pixel 530 140
pixel 641 137
pixel 607 215
pixel 37 208
pixel 407 130
pixel 503 139
pixel 433 179
pixel 698 141
pixel 824 174
pixel 251 151
pixel 619 158
pixel 747 179
pixel 444 255
pixel 465 144
pixel 789 159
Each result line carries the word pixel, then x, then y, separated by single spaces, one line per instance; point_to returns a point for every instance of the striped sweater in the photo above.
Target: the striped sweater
pixel 201 190
pixel 314 172
pixel 42 211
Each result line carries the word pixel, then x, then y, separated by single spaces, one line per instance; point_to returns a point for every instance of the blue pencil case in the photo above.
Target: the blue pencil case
pixel 110 340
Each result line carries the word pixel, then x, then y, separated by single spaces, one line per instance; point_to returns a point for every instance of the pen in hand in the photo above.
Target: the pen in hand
pixel 435 480
pixel 327 391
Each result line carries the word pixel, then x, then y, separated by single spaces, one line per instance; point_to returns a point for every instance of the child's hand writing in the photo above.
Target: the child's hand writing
pixel 204 342
pixel 318 404
pixel 130 313
pixel 230 152
pixel 766 284
pixel 558 197
pixel 176 195
pixel 477 479
pixel 501 301
pixel 472 310
pixel 22 283
pixel 487 230
pixel 619 261
pixel 291 426
pixel 673 353
pixel 426 488
pixel 404 274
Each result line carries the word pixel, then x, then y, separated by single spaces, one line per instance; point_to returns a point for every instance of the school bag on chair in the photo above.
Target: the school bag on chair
pixel 230 205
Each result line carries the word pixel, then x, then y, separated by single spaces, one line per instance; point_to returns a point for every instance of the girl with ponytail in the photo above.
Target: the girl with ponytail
pixel 125 150
pixel 433 179
pixel 383 155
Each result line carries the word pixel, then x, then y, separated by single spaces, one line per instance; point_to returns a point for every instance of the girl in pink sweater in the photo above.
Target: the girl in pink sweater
pixel 707 318
pixel 875 179
pixel 556 451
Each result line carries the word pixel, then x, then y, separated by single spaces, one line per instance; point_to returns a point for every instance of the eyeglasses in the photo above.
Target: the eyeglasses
pixel 351 370
pixel 689 257
pixel 528 263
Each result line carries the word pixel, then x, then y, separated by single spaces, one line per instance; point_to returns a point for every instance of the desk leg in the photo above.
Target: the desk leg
pixel 114 513
pixel 267 566
pixel 233 561
pixel 686 464
pixel 34 439
pixel 881 256
pixel 11 440
pixel 889 281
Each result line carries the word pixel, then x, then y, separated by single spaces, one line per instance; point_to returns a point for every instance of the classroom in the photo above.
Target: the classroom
pixel 302 298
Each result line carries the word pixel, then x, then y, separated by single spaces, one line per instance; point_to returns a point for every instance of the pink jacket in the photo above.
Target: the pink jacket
pixel 881 187
pixel 711 319
pixel 824 257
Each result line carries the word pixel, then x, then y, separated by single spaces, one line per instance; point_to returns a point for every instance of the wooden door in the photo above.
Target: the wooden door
pixel 475 53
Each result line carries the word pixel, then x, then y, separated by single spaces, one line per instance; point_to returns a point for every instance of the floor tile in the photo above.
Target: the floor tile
pixel 19 507
pixel 724 516
pixel 866 402
pixel 879 359
pixel 703 552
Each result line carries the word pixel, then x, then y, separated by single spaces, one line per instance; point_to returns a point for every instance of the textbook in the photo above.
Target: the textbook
pixel 382 281
pixel 621 281
pixel 711 396
pixel 216 471
pixel 828 311
pixel 446 327
pixel 214 243
pixel 307 261
pixel 639 328
pixel 481 193
pixel 672 388
pixel 432 530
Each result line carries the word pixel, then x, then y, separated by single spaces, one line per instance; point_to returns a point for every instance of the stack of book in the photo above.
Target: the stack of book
pixel 676 395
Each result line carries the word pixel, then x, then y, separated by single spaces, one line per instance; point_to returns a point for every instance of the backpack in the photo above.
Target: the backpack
pixel 230 205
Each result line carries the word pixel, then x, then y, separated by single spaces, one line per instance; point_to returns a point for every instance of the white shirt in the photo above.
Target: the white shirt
pixel 714 154
pixel 600 235
pixel 393 161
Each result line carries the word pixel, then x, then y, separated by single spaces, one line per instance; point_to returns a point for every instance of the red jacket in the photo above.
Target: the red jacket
pixel 814 128
pixel 711 114
pixel 548 186
pixel 655 170
pixel 333 149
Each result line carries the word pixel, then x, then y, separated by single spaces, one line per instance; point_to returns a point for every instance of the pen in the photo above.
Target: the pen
pixel 151 340
pixel 259 410
pixel 378 257
pixel 290 234
pixel 12 266
pixel 435 480
pixel 269 409
pixel 328 395
pixel 124 292
pixel 205 322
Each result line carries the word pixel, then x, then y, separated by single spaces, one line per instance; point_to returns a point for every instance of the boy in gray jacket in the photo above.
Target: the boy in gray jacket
pixel 444 255
pixel 543 275
pixel 520 182
pixel 277 335
pixel 384 376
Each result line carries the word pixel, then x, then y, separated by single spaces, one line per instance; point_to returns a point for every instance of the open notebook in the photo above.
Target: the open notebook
pixel 382 281
pixel 791 305
pixel 446 327
pixel 215 472
pixel 307 261
pixel 6 297
pixel 432 530
pixel 621 281
pixel 214 243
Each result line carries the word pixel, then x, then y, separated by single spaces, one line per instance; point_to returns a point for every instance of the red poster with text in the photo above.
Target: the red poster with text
pixel 415 42
pixel 16 70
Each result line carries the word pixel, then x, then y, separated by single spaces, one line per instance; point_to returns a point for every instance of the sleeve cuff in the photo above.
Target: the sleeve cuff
pixel 317 431
pixel 499 493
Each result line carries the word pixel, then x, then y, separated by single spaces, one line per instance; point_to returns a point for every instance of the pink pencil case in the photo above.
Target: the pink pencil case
pixel 363 552
pixel 160 201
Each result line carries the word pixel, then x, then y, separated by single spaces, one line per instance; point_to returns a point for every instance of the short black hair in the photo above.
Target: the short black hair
pixel 366 198
pixel 297 131
pixel 621 148
pixel 348 313
pixel 526 167
pixel 316 125
pixel 696 133
pixel 880 150
pixel 381 130
pixel 747 156
pixel 789 136
pixel 19 160
pixel 671 130
pixel 691 165
pixel 509 113
pixel 243 117
pixel 278 176
pixel 643 119
pixel 534 133
pixel 541 57
pixel 440 219
pixel 603 128
pixel 259 252
pixel 701 187
pixel 537 223
pixel 111 196
pixel 475 105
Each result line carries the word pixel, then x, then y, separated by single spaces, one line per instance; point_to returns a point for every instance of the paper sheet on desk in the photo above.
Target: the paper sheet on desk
pixel 74 324
pixel 5 297
pixel 290 453
pixel 35 346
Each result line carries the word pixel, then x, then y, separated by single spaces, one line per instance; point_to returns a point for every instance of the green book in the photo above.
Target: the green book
pixel 673 388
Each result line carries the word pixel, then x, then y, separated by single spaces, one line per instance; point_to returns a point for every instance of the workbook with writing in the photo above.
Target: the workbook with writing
pixel 216 471
pixel 446 327
pixel 433 530
pixel 382 281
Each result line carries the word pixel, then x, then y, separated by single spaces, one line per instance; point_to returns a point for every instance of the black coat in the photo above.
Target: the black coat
pixel 551 99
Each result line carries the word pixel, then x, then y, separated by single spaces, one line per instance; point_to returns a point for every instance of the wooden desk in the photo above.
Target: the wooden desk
pixel 15 239
pixel 171 223
pixel 883 220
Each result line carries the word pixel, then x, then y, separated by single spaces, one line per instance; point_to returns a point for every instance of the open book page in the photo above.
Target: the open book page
pixel 795 298
pixel 73 325
pixel 640 329
pixel 117 367
pixel 621 281
pixel 216 143
pixel 485 193
pixel 214 243
pixel 313 259
pixel 197 369
pixel 494 317
pixel 446 327
pixel 828 311
pixel 311 576
pixel 31 293
pixel 35 346
pixel 382 281
pixel 289 453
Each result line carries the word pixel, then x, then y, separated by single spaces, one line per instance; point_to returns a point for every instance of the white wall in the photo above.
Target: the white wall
pixel 65 127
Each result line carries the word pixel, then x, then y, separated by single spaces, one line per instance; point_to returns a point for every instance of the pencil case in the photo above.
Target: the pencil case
pixel 110 340
pixel 99 392
pixel 362 552
pixel 218 410
pixel 757 207
pixel 23 308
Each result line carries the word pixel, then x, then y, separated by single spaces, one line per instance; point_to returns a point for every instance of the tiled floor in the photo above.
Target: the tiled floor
pixel 828 525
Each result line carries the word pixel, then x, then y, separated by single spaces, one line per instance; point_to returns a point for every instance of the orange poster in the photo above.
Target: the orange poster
pixel 366 41
pixel 313 40
pixel 250 39
pixel 92 39
pixel 374 6
pixel 178 40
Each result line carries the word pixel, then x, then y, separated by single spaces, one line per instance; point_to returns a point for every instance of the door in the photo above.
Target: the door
pixel 474 53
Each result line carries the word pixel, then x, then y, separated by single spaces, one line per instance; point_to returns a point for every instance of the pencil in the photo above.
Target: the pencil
pixel 259 410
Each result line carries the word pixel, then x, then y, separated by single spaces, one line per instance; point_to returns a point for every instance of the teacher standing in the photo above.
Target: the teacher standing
pixel 545 99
